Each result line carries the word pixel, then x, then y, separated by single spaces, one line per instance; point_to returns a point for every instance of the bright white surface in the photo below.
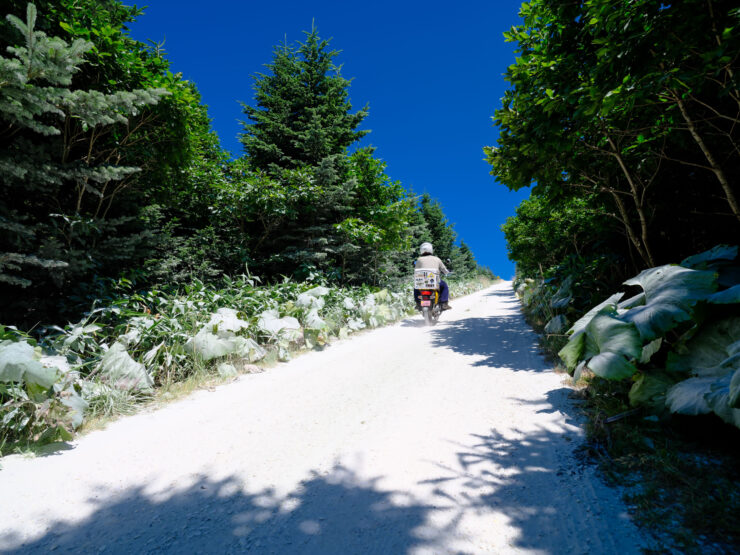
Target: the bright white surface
pixel 406 439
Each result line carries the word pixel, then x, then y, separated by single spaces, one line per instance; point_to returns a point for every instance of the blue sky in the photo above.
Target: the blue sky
pixel 431 73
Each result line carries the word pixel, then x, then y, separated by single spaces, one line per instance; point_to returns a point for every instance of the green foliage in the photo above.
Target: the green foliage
pixel 685 348
pixel 37 401
pixel 441 234
pixel 545 231
pixel 302 113
pixel 93 127
pixel 628 109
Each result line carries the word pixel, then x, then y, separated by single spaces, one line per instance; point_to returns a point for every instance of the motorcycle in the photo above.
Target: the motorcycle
pixel 426 282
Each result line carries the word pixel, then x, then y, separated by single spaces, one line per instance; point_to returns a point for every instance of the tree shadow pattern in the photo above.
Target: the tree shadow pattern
pixel 530 478
pixel 501 341
pixel 334 513
pixel 550 500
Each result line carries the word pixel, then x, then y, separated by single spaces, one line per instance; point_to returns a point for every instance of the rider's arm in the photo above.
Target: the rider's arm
pixel 443 268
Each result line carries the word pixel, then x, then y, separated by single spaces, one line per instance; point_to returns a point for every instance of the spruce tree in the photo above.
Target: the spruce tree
pixel 302 113
pixel 441 231
pixel 55 195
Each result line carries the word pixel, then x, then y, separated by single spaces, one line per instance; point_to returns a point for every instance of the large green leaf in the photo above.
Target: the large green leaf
pixel 610 344
pixel 612 366
pixel 76 405
pixel 573 350
pixel 632 302
pixel 18 364
pixel 720 399
pixel 671 292
pixel 734 390
pixel 688 396
pixel 728 296
pixel 606 343
pixel 16 358
pixel 720 252
pixel 707 352
pixel 118 369
pixel 607 333
pixel 650 389
pixel 649 350
pixel 722 259
pixel 581 323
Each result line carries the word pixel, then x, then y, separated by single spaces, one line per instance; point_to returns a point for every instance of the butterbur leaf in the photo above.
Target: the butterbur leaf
pixel 720 252
pixel 573 350
pixel 556 324
pixel 18 364
pixel 649 350
pixel 579 371
pixel 632 302
pixel 650 390
pixel 708 349
pixel 76 405
pixel 581 323
pixel 607 333
pixel 122 372
pixel 687 397
pixel 611 366
pixel 734 390
pixel 733 348
pixel 719 400
pixel 39 375
pixel 728 296
pixel 671 292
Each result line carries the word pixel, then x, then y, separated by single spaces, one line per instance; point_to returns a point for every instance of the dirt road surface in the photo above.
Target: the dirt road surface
pixel 407 439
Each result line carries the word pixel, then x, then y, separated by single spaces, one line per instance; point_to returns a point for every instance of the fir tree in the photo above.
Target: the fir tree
pixel 302 112
pixel 441 231
pixel 55 195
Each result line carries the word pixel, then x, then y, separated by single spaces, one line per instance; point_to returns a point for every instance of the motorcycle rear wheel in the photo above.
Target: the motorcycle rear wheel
pixel 428 318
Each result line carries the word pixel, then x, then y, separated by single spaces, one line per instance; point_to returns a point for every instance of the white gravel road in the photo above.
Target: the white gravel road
pixel 406 439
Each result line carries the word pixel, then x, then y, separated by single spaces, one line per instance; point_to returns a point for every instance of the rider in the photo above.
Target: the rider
pixel 427 261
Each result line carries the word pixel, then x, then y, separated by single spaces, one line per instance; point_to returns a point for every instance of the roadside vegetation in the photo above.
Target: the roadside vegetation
pixel 135 254
pixel 622 118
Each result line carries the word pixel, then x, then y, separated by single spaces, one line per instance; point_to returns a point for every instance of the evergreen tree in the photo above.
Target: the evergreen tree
pixel 302 112
pixel 56 192
pixel 442 235
pixel 462 260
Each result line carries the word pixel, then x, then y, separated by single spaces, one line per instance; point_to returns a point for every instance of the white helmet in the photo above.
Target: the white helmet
pixel 426 248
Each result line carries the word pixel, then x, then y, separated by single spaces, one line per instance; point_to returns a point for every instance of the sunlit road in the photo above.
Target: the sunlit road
pixel 406 439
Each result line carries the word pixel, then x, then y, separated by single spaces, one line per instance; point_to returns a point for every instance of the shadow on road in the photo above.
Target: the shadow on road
pixel 536 482
pixel 502 341
pixel 336 513
pixel 526 483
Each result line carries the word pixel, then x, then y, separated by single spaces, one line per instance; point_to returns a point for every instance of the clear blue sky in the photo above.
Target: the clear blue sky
pixel 431 73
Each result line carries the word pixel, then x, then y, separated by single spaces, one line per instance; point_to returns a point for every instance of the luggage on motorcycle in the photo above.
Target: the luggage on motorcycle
pixel 426 279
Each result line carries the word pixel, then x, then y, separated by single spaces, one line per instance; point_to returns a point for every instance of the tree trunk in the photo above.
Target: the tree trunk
pixel 645 251
pixel 634 239
pixel 716 168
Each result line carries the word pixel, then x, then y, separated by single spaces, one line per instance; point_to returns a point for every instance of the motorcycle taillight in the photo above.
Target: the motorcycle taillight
pixel 425 292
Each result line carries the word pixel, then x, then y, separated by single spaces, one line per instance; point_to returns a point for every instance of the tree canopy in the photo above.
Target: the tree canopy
pixel 111 171
pixel 630 109
pixel 302 113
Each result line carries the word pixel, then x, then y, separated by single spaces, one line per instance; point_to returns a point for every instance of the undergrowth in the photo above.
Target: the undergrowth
pixel 680 474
